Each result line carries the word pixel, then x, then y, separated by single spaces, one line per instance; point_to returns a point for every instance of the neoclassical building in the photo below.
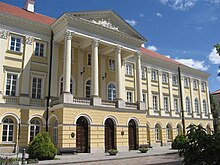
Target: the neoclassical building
pixel 85 79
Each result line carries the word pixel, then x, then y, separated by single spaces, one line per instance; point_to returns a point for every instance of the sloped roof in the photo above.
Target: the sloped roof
pixel 216 92
pixel 19 12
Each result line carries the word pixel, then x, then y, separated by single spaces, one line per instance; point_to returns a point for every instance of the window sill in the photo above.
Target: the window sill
pixel 175 85
pixel 43 57
pixel 189 113
pixel 127 75
pixel 144 78
pixel 186 87
pixel 156 111
pixel 158 141
pixel 154 81
pixel 165 83
pixel 7 143
pixel 14 52
pixel 195 89
pixel 177 113
pixel 167 112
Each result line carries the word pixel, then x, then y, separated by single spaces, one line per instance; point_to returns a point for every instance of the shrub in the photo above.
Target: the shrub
pixel 179 142
pixel 112 151
pixel 41 147
pixel 143 150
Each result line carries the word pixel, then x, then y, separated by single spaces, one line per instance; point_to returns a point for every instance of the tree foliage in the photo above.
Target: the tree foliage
pixel 200 148
pixel 215 113
pixel 217 46
pixel 178 142
pixel 41 147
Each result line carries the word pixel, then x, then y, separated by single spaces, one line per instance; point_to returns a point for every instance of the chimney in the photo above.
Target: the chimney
pixel 29 5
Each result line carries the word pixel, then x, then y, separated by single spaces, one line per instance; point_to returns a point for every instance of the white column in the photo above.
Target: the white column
pixel 67 63
pixel 149 96
pixel 138 75
pixel 118 73
pixel 200 98
pixel 95 68
pixel 161 106
pixel 172 113
pixel 192 97
pixel 208 101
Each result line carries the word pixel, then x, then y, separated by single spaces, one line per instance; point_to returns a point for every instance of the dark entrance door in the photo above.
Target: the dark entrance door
pixel 82 134
pixel 109 135
pixel 132 135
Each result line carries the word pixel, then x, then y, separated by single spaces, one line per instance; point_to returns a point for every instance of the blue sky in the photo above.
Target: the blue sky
pixel 185 30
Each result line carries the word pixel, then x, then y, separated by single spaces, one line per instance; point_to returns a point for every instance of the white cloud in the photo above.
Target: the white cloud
pixel 152 48
pixel 198 28
pixel 132 22
pixel 214 57
pixel 179 4
pixel 159 14
pixel 196 64
pixel 168 56
pixel 214 18
pixel 141 15
pixel 213 1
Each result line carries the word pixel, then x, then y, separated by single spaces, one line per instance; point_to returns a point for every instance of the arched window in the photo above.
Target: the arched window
pixel 34 128
pixel 61 86
pixel 8 130
pixel 88 88
pixel 111 92
pixel 204 107
pixel 158 132
pixel 188 105
pixel 179 129
pixel 169 132
pixel 196 104
pixel 55 132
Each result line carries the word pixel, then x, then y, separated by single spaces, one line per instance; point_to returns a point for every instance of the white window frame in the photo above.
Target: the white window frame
pixel 55 132
pixel 158 133
pixel 204 107
pixel 113 92
pixel 88 86
pixel 143 72
pixel 144 95
pixel 165 77
pixel 176 104
pixel 175 80
pixel 21 44
pixel 34 126
pixel 169 132
pixel 187 102
pixel 73 85
pixel 89 57
pixel 42 87
pixel 155 105
pixel 129 69
pixel 111 64
pixel 17 82
pixel 203 85
pixel 44 51
pixel 8 126
pixel 166 104
pixel 195 84
pixel 186 82
pixel 154 75
pixel 131 99
pixel 196 105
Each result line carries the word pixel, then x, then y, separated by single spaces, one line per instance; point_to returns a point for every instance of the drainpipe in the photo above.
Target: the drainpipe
pixel 49 82
pixel 181 101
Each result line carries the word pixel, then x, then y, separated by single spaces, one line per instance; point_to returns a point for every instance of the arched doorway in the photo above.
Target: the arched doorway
pixel 82 135
pixel 132 135
pixel 109 134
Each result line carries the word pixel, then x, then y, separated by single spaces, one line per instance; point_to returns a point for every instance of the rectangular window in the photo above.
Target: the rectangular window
pixel 186 82
pixel 89 59
pixel 143 72
pixel 195 86
pixel 39 49
pixel 155 107
pixel 111 64
pixel 164 78
pixel 15 43
pixel 144 97
pixel 175 80
pixel 166 104
pixel 203 86
pixel 36 87
pixel 154 75
pixel 176 107
pixel 129 69
pixel 129 96
pixel 11 84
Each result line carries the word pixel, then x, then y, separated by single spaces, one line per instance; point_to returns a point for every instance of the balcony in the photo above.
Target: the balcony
pixel 10 99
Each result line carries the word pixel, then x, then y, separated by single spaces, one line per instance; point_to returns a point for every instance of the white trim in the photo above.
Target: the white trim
pixel 137 122
pixel 42 83
pixel 88 118
pixel 158 122
pixel 132 98
pixel 85 87
pixel 73 85
pixel 45 48
pixel 21 44
pixel 39 117
pixel 111 117
pixel 51 117
pixel 17 81
pixel 8 115
pixel 111 82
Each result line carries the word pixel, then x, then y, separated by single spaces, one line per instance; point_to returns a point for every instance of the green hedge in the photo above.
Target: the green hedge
pixel 179 142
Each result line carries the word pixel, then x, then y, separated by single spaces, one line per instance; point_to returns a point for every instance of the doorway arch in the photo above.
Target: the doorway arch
pixel 132 135
pixel 109 134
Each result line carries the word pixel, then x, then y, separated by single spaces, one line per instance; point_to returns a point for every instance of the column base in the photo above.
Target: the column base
pixel 24 99
pixel 96 101
pixel 141 106
pixel 120 104
pixel 66 98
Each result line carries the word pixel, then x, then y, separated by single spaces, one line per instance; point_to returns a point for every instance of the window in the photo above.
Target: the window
pixel 111 92
pixel 187 104
pixel 34 128
pixel 88 88
pixel 55 132
pixel 143 72
pixel 154 75
pixel 39 49
pixel 175 80
pixel 129 69
pixel 164 78
pixel 203 86
pixel 196 104
pixel 158 132
pixel 61 86
pixel 204 107
pixel 165 103
pixel 111 64
pixel 36 87
pixel 155 108
pixel 176 105
pixel 129 96
pixel 179 129
pixel 195 86
pixel 15 43
pixel 186 82
pixel 169 132
pixel 8 130
pixel 11 84
pixel 144 97
pixel 89 59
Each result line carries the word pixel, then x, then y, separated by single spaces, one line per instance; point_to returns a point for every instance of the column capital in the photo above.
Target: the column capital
pixel 56 44
pixel 138 54
pixel 95 42
pixel 4 33
pixel 118 48
pixel 29 40
pixel 69 34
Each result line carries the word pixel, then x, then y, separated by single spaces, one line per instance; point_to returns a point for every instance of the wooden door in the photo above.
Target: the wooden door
pixel 109 135
pixel 132 135
pixel 82 135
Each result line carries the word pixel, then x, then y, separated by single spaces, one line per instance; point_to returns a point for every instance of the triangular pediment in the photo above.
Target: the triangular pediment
pixel 107 19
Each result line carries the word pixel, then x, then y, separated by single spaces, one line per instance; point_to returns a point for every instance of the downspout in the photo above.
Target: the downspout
pixel 49 82
pixel 181 101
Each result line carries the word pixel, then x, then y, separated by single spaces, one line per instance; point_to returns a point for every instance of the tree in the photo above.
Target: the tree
pixel 217 46
pixel 215 113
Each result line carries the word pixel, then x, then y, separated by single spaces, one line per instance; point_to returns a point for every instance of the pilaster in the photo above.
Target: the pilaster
pixel 192 98
pixel 149 93
pixel 161 108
